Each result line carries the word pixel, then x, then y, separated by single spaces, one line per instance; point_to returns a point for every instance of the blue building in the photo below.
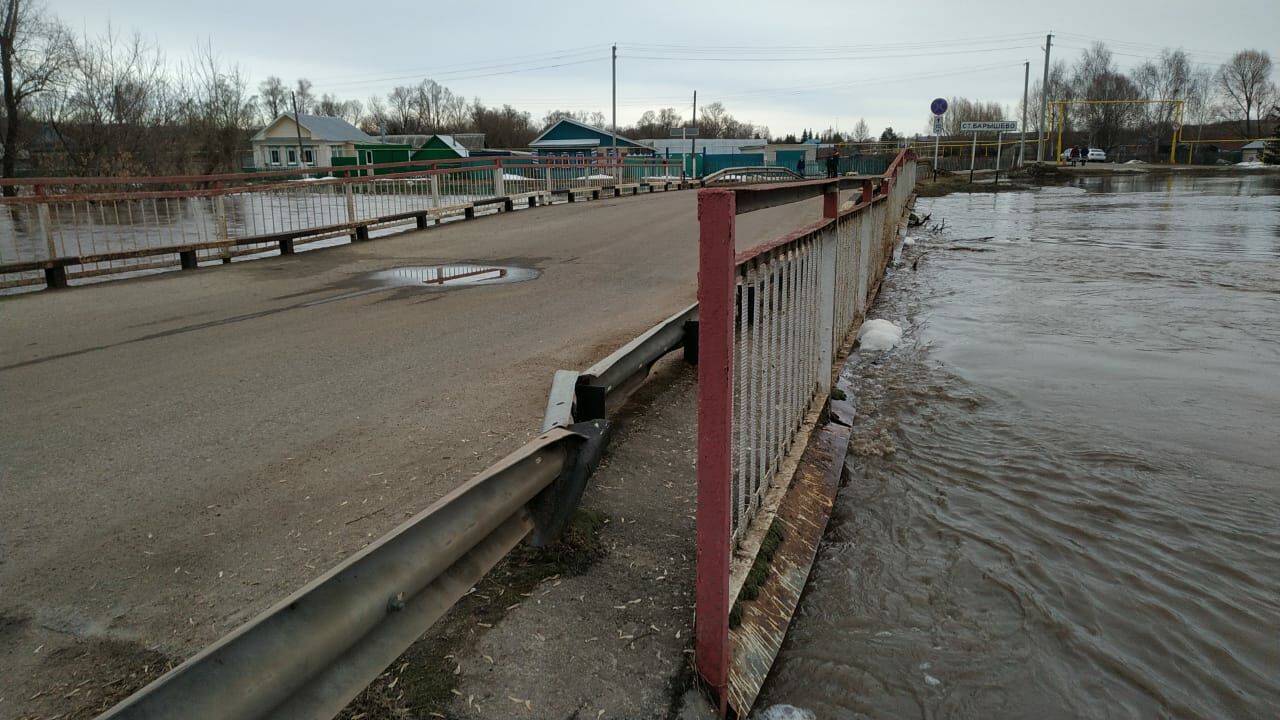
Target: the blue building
pixel 570 137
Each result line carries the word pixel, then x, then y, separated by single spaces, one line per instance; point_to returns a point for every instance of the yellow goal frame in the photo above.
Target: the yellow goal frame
pixel 1060 119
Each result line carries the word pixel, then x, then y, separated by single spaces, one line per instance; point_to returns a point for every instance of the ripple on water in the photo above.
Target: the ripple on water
pixel 1061 498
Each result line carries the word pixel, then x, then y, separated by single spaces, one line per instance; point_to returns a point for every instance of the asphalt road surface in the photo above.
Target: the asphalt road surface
pixel 178 451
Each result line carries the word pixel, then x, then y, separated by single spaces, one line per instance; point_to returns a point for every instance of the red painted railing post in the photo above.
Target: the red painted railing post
pixel 867 192
pixel 716 211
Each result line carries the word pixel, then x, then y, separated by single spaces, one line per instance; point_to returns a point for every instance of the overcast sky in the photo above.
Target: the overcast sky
pixel 788 65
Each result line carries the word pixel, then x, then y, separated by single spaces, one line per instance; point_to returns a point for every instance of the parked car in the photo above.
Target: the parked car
pixel 1097 155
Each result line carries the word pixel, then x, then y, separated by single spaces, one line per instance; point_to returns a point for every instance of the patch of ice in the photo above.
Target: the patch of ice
pixel 932 681
pixel 879 335
pixel 786 712
pixel 909 241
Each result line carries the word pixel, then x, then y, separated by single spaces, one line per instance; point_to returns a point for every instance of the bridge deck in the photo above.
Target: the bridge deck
pixel 179 450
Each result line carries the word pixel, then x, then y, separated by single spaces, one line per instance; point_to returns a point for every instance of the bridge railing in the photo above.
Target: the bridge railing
pixel 772 320
pixel 112 225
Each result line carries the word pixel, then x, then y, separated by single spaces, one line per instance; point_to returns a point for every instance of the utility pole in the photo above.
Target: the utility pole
pixel 615 102
pixel 1022 143
pixel 693 141
pixel 297 125
pixel 1044 99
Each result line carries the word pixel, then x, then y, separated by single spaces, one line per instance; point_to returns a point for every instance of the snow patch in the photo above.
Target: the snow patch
pixel 1133 162
pixel 909 241
pixel 513 176
pixel 786 712
pixel 879 335
pixel 1254 164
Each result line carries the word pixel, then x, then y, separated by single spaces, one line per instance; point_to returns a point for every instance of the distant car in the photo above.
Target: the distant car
pixel 1097 155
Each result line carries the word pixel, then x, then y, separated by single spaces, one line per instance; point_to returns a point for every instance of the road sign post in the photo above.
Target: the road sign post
pixel 977 126
pixel 939 108
pixel 999 140
pixel 973 155
pixel 685 133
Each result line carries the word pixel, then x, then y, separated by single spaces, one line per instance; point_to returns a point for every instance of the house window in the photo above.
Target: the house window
pixel 308 156
pixel 335 151
pixel 275 156
pixel 293 156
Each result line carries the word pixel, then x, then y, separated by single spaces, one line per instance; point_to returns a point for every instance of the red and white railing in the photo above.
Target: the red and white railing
pixel 772 319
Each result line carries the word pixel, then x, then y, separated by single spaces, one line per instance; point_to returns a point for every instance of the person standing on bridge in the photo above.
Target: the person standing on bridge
pixel 833 164
pixel 800 166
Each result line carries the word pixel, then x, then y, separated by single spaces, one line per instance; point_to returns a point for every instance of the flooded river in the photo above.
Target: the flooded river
pixel 1063 496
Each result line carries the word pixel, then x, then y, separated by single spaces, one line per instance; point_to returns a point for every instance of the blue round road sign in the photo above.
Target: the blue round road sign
pixel 938 106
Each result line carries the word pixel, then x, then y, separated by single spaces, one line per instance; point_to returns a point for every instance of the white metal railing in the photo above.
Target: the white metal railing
pixel 772 321
pixel 123 224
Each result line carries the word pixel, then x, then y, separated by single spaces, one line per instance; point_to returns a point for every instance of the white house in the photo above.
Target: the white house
pixel 1252 152
pixel 322 139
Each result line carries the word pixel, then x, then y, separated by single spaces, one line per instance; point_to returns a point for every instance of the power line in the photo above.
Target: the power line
pixel 835 48
pixel 452 71
pixel 1141 57
pixel 1145 47
pixel 834 85
pixel 818 58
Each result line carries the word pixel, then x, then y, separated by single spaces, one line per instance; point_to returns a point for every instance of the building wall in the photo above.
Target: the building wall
pixel 323 153
pixel 285 127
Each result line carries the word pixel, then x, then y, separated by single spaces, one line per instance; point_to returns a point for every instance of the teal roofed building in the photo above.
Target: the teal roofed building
pixel 570 137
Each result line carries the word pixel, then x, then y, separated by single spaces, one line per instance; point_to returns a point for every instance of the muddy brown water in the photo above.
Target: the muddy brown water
pixel 1063 497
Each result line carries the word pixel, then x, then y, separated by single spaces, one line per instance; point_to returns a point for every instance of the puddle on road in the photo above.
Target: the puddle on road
pixel 452 275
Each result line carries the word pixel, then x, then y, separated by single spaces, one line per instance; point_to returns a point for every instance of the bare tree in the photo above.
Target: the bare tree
pixel 273 97
pixel 221 112
pixel 115 101
pixel 503 127
pixel 33 53
pixel 1096 78
pixel 963 109
pixel 1167 77
pixel 1245 83
pixel 669 117
pixel 861 133
pixel 1059 89
pixel 711 120
pixel 400 117
pixel 556 116
pixel 303 96
pixel 329 105
pixel 376 118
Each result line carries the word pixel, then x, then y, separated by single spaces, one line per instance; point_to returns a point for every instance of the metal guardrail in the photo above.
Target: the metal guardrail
pixel 311 653
pixel 754 173
pixel 606 385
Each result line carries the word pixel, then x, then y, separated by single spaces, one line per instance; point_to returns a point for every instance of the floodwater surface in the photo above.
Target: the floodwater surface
pixel 1063 494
